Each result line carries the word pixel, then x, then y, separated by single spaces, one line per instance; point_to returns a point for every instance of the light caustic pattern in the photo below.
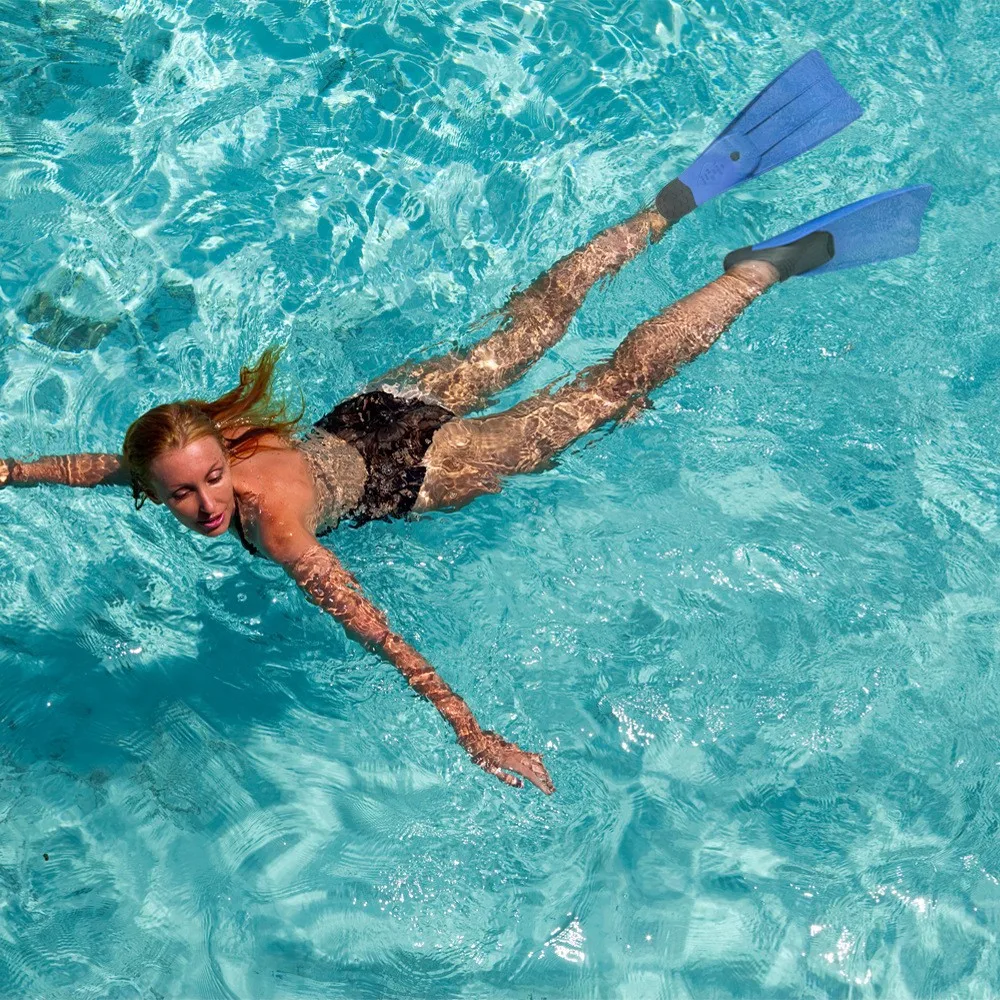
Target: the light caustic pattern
pixel 753 632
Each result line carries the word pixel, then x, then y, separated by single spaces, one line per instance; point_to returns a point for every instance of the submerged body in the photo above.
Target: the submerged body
pixel 417 449
pixel 409 444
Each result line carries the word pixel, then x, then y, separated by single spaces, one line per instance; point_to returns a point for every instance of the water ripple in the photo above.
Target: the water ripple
pixel 753 633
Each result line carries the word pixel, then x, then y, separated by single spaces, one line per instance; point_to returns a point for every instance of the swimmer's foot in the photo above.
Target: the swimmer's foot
pixel 877 228
pixel 797 257
pixel 794 113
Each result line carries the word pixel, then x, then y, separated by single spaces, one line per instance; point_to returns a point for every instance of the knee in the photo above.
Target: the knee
pixel 451 489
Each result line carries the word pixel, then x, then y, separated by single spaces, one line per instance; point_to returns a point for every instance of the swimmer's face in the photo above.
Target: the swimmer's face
pixel 196 484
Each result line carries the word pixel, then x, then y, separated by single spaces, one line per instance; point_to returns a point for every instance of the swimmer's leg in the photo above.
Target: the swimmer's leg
pixel 532 321
pixel 471 456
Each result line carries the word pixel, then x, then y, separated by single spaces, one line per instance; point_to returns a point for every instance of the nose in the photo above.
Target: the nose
pixel 205 503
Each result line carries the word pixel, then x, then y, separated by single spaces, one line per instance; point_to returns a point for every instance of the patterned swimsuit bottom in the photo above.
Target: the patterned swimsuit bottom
pixel 392 432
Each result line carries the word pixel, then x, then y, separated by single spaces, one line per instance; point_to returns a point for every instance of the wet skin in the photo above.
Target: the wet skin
pixel 277 495
pixel 202 489
pixel 196 485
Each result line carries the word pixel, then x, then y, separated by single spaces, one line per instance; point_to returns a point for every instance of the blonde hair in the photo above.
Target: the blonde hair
pixel 174 425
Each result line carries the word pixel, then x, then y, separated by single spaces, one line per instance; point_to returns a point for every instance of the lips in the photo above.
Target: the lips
pixel 214 523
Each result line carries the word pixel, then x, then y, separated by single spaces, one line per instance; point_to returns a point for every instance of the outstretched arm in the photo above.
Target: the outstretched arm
pixel 327 584
pixel 90 469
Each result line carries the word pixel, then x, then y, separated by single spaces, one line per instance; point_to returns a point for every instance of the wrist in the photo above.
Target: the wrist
pixel 468 731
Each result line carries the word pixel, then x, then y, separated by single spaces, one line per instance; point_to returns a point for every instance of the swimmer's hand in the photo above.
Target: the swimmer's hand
pixel 496 755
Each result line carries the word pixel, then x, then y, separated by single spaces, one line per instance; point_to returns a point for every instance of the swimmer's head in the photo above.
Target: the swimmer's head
pixel 177 456
pixel 181 454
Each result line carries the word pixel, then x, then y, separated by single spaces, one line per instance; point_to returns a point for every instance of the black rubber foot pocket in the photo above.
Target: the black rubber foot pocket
pixel 805 254
pixel 675 201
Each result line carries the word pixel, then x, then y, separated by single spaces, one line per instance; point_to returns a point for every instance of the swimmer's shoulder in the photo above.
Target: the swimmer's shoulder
pixel 275 476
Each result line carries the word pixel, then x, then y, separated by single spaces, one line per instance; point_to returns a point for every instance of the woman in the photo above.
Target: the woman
pixel 408 444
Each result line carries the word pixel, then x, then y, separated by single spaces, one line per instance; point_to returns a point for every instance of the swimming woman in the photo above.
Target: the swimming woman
pixel 408 444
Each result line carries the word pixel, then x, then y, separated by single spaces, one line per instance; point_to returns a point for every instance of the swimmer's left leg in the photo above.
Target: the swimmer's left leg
pixel 532 321
pixel 471 456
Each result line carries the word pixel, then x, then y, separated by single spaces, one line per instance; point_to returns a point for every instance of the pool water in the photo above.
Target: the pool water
pixel 755 633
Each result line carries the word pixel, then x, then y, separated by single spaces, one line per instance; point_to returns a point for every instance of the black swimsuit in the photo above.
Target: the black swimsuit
pixel 392 434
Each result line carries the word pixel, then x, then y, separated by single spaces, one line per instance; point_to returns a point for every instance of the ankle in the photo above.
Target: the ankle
pixel 758 273
pixel 656 224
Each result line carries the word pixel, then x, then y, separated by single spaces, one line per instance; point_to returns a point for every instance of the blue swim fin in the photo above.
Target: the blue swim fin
pixel 792 114
pixel 884 226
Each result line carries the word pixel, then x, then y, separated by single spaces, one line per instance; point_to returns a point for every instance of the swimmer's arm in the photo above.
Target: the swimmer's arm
pixel 88 469
pixel 327 584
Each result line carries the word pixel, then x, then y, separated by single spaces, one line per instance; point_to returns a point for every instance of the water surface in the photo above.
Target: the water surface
pixel 754 633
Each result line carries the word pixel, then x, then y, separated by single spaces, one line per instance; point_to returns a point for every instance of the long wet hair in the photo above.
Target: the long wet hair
pixel 250 405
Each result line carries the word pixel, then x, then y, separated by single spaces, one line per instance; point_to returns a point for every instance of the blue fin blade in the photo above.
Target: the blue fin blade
pixel 884 226
pixel 810 72
pixel 794 113
pixel 808 119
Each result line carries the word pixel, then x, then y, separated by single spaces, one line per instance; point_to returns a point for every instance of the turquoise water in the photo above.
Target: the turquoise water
pixel 754 633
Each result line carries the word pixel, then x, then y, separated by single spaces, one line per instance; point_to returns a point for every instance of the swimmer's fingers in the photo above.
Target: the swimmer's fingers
pixel 507 779
pixel 530 766
pixel 4 471
pixel 498 756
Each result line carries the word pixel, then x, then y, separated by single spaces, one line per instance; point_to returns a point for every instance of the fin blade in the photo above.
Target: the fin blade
pixel 807 121
pixel 806 73
pixel 882 227
pixel 797 111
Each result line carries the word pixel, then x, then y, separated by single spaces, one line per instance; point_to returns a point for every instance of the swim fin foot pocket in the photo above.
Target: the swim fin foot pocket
pixel 675 201
pixel 802 255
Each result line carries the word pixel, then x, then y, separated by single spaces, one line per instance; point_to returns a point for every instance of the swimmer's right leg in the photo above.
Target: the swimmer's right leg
pixel 532 321
pixel 471 456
